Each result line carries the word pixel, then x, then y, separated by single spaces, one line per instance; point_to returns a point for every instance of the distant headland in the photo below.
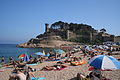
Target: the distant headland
pixel 62 33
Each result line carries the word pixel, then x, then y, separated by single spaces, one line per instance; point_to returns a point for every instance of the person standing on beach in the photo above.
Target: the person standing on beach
pixel 2 60
pixel 11 59
pixel 31 57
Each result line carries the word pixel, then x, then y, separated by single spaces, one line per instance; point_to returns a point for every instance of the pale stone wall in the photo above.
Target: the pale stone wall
pixel 117 38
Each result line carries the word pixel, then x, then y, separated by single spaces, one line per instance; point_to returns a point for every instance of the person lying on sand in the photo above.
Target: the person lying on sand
pixel 67 60
pixel 91 76
pixel 28 71
pixel 18 76
pixel 81 76
pixel 72 59
pixel 48 68
pixel 41 59
pixel 54 67
pixel 60 62
pixel 12 64
pixel 32 61
pixel 21 65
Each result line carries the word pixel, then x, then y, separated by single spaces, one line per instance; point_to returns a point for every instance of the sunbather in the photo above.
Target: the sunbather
pixel 35 60
pixel 21 65
pixel 54 67
pixel 29 73
pixel 48 68
pixel 19 76
pixel 81 76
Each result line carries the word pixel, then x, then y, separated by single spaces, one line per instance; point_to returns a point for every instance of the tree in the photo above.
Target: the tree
pixel 103 30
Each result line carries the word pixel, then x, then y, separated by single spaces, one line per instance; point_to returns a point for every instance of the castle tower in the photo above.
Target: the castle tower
pixel 46 27
pixel 68 35
pixel 91 36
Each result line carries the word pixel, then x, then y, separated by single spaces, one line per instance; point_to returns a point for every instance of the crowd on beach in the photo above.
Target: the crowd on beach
pixel 23 72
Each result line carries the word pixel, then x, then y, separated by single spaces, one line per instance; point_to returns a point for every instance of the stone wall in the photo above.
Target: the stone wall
pixel 116 38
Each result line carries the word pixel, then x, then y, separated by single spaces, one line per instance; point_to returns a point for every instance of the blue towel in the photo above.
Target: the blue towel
pixel 31 64
pixel 57 60
pixel 38 78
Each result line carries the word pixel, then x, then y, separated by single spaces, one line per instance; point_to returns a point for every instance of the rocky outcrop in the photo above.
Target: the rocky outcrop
pixel 45 41
pixel 44 44
pixel 52 37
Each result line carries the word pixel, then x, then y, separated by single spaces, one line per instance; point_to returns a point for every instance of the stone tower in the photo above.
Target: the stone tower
pixel 68 35
pixel 46 27
pixel 91 36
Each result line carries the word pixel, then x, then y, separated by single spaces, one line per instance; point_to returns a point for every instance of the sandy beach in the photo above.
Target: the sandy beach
pixel 68 73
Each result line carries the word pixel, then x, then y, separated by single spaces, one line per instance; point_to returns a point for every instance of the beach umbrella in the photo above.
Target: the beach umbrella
pixel 39 53
pixel 21 56
pixel 26 58
pixel 104 62
pixel 88 48
pixel 47 55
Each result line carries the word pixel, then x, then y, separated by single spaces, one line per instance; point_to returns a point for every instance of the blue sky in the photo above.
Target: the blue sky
pixel 21 20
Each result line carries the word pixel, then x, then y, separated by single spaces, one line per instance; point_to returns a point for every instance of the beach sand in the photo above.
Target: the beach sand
pixel 68 73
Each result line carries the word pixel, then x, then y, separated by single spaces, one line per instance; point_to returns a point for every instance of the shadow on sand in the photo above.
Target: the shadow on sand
pixel 75 78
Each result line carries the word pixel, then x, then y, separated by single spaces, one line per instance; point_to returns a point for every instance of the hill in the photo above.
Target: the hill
pixel 60 33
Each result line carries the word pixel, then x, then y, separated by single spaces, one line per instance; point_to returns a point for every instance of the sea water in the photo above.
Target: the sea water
pixel 10 50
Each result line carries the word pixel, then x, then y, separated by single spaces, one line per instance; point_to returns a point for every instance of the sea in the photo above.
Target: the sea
pixel 10 50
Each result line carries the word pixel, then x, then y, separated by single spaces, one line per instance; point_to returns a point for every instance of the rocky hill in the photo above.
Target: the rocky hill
pixel 60 33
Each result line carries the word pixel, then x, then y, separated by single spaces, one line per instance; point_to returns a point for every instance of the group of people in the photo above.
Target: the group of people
pixel 3 60
pixel 57 66
pixel 22 74
pixel 95 74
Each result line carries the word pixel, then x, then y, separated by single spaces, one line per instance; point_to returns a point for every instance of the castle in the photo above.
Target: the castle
pixel 62 33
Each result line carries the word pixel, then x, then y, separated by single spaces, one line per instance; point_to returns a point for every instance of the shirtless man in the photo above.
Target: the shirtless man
pixel 20 75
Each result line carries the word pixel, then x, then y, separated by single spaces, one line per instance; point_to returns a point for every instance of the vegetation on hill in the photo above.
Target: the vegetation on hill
pixel 83 31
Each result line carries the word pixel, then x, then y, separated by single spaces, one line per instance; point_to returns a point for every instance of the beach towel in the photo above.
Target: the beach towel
pixel 2 70
pixel 78 63
pixel 55 60
pixel 59 69
pixel 38 78
pixel 64 66
pixel 31 64
pixel 64 57
pixel 91 68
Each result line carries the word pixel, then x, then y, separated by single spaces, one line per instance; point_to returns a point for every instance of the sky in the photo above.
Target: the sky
pixel 21 20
